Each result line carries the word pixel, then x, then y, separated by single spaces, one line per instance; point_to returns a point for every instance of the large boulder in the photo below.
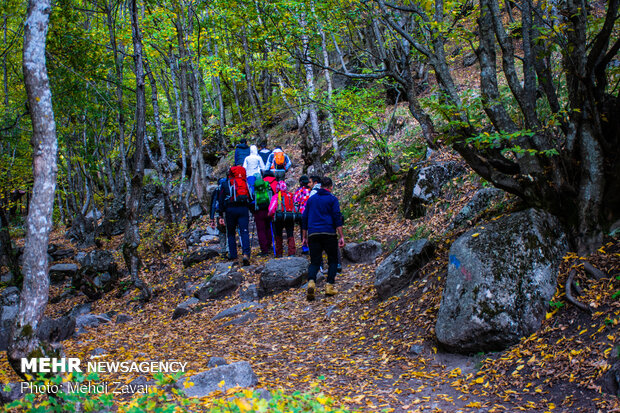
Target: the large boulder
pixel 225 279
pixel 281 274
pixel 9 306
pixel 424 183
pixel 477 205
pixel 401 267
pixel 200 255
pixel 365 251
pixel 98 274
pixel 239 374
pixel 500 280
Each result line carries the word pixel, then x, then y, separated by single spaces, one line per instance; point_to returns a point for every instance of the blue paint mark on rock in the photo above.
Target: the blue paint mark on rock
pixel 455 261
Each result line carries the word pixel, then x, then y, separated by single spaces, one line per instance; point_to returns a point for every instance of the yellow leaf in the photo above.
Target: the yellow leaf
pixel 221 384
pixel 475 235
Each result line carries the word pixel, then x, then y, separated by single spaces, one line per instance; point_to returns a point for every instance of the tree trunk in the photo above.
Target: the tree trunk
pixel 252 95
pixel 24 341
pixel 118 67
pixel 132 232
pixel 316 141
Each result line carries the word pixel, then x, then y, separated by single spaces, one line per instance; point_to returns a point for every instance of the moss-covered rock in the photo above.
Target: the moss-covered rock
pixel 501 277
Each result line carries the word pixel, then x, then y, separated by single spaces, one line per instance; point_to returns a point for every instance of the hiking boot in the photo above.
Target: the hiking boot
pixel 311 290
pixel 246 260
pixel 330 289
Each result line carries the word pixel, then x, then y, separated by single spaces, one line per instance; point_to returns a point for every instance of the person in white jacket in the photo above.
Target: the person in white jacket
pixel 253 164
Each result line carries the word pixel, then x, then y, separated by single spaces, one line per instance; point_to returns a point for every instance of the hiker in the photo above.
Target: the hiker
pixel 264 152
pixel 253 165
pixel 262 199
pixel 315 184
pixel 242 151
pixel 215 215
pixel 278 162
pixel 282 211
pixel 235 197
pixel 299 199
pixel 322 231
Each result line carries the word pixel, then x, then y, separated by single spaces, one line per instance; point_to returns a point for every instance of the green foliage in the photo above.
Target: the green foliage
pixel 313 401
pixel 556 305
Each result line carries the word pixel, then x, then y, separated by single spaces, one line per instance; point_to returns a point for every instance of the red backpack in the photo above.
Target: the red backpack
pixel 238 185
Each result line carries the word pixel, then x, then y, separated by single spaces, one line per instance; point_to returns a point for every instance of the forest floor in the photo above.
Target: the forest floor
pixel 367 354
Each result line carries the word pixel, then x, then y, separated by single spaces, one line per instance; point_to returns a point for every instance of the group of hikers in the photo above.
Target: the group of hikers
pixel 255 185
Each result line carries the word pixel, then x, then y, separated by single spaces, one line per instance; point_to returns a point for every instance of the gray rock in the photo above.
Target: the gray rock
pixel 6 278
pixel 114 220
pixel 611 379
pixel 399 269
pixel 416 350
pixel 56 330
pixel 123 318
pixel 90 321
pixel 423 185
pixel 236 310
pixel 82 231
pixel 249 294
pixel 476 206
pixel 58 255
pixel 98 352
pixel 180 312
pixel 216 361
pixel 331 310
pixel 240 320
pixel 500 280
pixel 13 393
pixel 59 272
pixel 79 310
pixel 195 211
pixel 469 59
pixel 97 275
pixel 199 255
pixel 9 307
pixel 281 274
pixel 193 237
pixel 184 308
pixel 237 374
pixel 190 288
pixel 363 252
pixel 225 278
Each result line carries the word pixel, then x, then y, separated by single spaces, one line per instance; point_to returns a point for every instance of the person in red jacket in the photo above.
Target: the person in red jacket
pixel 282 210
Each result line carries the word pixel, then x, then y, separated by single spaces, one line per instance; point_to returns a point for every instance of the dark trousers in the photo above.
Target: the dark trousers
pixel 263 229
pixel 238 216
pixel 319 243
pixel 278 229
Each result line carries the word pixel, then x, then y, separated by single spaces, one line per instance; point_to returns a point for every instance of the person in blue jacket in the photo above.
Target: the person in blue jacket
pixel 321 225
pixel 242 151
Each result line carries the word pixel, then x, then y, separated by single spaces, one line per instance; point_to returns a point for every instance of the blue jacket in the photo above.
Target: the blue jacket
pixel 322 214
pixel 242 151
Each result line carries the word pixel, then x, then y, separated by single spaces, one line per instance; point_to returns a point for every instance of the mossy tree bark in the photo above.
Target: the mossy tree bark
pixel 24 341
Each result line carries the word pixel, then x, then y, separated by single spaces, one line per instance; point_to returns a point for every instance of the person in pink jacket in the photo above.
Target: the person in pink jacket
pixel 282 210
